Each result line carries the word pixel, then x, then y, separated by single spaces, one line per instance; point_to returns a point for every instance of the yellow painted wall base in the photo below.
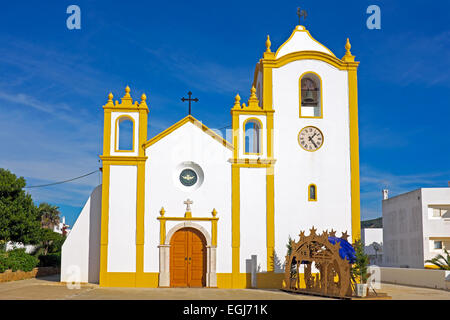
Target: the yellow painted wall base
pixel 265 280
pixel 269 280
pixel 130 280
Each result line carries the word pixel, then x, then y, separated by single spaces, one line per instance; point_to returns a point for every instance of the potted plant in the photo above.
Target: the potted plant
pixel 359 269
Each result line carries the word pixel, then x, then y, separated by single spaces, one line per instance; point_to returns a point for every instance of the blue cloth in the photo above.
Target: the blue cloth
pixel 346 251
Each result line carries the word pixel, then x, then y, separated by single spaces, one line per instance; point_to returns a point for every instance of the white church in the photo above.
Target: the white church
pixel 188 208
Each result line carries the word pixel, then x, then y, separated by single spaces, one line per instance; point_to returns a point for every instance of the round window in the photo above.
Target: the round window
pixel 188 177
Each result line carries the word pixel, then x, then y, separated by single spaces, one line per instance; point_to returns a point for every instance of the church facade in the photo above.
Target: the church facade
pixel 190 208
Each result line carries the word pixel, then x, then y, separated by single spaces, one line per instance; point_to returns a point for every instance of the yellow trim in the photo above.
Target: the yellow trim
pixel 104 226
pixel 354 154
pixel 123 109
pixel 309 192
pixel 235 223
pixel 252 112
pixel 303 30
pixel 107 133
pixel 162 226
pixel 300 95
pixel 143 118
pixel 311 55
pixel 269 120
pixel 187 218
pixel 122 160
pixel 116 143
pixel 298 138
pixel 140 227
pixel 267 86
pixel 182 122
pixel 235 129
pixel 252 163
pixel 261 142
pixel 270 216
pixel 214 233
pixel 126 104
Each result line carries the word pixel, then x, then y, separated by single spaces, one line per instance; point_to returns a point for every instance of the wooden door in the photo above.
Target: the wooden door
pixel 187 258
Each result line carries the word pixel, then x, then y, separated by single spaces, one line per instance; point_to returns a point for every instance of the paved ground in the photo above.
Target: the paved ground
pixel 50 288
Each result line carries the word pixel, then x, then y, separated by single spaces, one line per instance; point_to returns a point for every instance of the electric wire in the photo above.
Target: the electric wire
pixel 60 182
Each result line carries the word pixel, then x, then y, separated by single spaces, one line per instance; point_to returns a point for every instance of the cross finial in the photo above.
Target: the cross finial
pixel 301 13
pixel 189 99
pixel 188 203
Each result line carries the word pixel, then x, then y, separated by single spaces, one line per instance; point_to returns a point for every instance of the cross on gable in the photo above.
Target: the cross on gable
pixel 188 203
pixel 189 99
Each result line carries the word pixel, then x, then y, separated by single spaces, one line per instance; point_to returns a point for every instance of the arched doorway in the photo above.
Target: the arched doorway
pixel 188 258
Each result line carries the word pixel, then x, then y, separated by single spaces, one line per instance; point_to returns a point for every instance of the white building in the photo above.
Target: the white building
pixel 416 227
pixel 62 227
pixel 372 238
pixel 189 207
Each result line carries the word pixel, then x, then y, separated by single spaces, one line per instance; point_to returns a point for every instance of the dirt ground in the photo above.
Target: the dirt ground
pixel 49 288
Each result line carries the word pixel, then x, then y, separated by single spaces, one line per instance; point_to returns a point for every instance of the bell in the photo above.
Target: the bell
pixel 309 97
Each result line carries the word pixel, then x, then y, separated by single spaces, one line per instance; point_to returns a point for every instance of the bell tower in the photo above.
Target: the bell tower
pixel 252 168
pixel 123 188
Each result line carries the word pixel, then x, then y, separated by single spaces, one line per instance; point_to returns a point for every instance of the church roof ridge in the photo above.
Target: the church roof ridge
pixel 191 119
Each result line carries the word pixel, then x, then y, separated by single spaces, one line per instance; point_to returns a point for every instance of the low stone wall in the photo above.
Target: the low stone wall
pixel 437 279
pixel 9 275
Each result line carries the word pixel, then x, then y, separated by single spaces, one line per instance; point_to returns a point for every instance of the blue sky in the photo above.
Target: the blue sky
pixel 54 81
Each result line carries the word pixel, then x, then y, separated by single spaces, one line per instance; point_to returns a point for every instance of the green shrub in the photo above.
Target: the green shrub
pixel 3 262
pixel 18 259
pixel 359 269
pixel 50 260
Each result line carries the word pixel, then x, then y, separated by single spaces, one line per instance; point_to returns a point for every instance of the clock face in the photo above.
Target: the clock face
pixel 310 138
pixel 188 177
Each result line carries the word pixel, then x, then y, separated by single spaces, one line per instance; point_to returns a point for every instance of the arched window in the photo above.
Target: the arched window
pixel 125 134
pixel 252 134
pixel 312 192
pixel 310 95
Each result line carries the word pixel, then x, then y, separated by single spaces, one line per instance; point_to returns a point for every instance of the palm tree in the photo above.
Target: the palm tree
pixel 49 215
pixel 440 261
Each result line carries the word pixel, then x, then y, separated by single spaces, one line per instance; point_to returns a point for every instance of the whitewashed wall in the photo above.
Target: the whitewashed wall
pixel 80 257
pixel 122 219
pixel 163 189
pixel 328 168
pixel 409 230
pixel 435 228
pixel 402 230
pixel 253 216
pixel 301 41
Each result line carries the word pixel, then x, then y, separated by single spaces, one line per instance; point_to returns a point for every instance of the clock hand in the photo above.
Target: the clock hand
pixel 311 140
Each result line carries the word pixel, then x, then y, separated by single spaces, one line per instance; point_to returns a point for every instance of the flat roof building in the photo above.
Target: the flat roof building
pixel 416 226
